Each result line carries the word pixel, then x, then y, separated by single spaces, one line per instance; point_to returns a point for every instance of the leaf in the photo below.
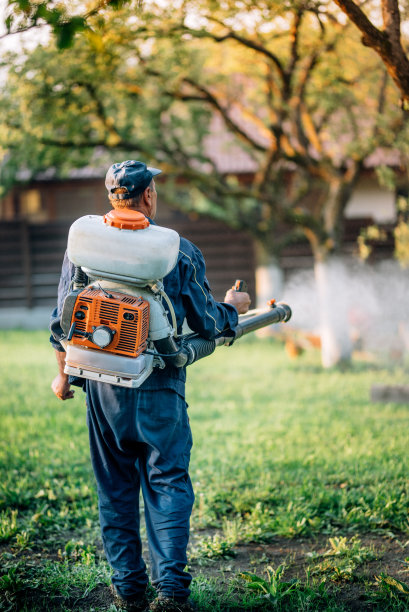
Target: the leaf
pixel 117 4
pixel 24 5
pixel 53 16
pixel 255 582
pixel 248 576
pixel 386 177
pixel 402 587
pixel 9 22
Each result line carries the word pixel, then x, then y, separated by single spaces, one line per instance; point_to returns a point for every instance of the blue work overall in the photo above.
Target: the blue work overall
pixel 141 439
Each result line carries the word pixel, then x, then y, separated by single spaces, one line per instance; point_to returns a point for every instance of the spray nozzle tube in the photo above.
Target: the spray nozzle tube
pixel 193 347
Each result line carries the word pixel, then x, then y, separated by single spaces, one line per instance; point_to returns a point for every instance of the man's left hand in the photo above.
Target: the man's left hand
pixel 240 299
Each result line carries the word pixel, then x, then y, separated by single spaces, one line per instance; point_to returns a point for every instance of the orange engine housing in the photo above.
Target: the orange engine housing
pixel 126 315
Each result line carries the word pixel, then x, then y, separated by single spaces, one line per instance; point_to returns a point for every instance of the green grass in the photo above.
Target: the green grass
pixel 286 448
pixel 281 448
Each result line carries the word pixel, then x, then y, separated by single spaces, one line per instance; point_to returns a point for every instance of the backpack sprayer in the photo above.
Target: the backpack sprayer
pixel 114 320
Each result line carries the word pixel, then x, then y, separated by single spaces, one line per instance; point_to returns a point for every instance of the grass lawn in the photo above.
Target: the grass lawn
pixel 301 484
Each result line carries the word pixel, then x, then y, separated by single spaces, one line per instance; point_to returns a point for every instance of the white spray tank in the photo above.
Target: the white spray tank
pixel 110 325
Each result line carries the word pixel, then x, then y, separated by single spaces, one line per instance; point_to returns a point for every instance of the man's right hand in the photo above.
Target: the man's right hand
pixel 61 387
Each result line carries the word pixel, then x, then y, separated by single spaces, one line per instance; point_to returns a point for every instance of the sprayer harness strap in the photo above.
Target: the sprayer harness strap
pixel 164 295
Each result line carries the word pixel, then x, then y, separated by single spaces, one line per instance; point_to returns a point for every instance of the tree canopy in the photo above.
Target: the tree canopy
pixel 263 114
pixel 280 81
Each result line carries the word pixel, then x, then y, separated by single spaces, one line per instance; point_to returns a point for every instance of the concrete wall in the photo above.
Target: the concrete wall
pixel 371 200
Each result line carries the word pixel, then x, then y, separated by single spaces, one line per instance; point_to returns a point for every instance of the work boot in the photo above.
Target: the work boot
pixel 167 604
pixel 135 604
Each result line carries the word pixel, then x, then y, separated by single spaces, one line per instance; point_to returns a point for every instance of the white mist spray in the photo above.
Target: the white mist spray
pixel 367 303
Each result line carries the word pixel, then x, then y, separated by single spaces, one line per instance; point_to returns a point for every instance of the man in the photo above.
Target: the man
pixel 140 438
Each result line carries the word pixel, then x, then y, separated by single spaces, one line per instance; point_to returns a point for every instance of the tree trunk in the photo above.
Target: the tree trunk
pixel 269 284
pixel 335 340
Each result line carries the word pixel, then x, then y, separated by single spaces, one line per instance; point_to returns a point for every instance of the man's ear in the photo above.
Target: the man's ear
pixel 147 197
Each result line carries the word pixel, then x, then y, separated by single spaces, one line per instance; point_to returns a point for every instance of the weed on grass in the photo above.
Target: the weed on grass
pixel 342 560
pixel 212 547
pixel 273 588
pixel 275 593
pixel 8 524
pixel 392 594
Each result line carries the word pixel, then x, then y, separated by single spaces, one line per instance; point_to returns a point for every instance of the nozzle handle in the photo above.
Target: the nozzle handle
pixel 240 285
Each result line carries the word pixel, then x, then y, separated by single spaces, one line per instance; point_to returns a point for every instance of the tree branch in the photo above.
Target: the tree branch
pixel 247 42
pixel 210 98
pixel 294 39
pixel 391 21
pixel 21 30
pixel 372 37
pixel 88 144
pixel 232 125
pixel 386 43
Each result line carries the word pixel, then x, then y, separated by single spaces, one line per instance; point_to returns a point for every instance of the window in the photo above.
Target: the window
pixel 31 205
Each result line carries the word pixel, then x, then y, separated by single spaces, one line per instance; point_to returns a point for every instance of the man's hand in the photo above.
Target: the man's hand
pixel 240 299
pixel 61 387
pixel 60 384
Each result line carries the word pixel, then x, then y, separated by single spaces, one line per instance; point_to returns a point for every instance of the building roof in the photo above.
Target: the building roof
pixel 221 146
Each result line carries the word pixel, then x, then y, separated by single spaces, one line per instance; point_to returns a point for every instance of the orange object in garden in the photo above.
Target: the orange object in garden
pixel 109 320
pixel 126 219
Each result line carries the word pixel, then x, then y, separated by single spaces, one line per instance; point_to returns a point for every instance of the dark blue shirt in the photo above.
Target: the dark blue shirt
pixel 188 289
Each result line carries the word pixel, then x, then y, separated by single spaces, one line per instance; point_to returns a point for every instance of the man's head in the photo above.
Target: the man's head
pixel 130 184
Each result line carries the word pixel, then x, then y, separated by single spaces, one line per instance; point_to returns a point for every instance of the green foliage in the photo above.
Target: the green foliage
pixel 213 547
pixel 386 177
pixel 79 552
pixel 272 587
pixel 278 594
pixel 8 524
pixel 401 232
pixel 66 31
pixel 373 234
pixel 54 578
pixel 370 234
pixel 393 594
pixel 341 561
pixel 393 586
pixel 23 15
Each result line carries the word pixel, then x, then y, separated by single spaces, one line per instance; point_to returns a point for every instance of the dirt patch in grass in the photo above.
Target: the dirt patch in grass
pixel 30 600
pixel 298 555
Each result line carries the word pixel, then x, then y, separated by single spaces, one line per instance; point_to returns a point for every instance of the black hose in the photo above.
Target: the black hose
pixel 80 279
pixel 201 348
pixel 173 353
pixel 190 350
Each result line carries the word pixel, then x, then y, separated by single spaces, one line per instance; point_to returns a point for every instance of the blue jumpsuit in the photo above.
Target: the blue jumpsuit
pixel 141 439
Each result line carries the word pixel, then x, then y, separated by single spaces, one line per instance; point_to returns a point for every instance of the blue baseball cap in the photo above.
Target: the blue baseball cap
pixel 132 175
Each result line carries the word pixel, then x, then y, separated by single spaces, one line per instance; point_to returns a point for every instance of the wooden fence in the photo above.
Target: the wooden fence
pixel 31 257
pixel 30 262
